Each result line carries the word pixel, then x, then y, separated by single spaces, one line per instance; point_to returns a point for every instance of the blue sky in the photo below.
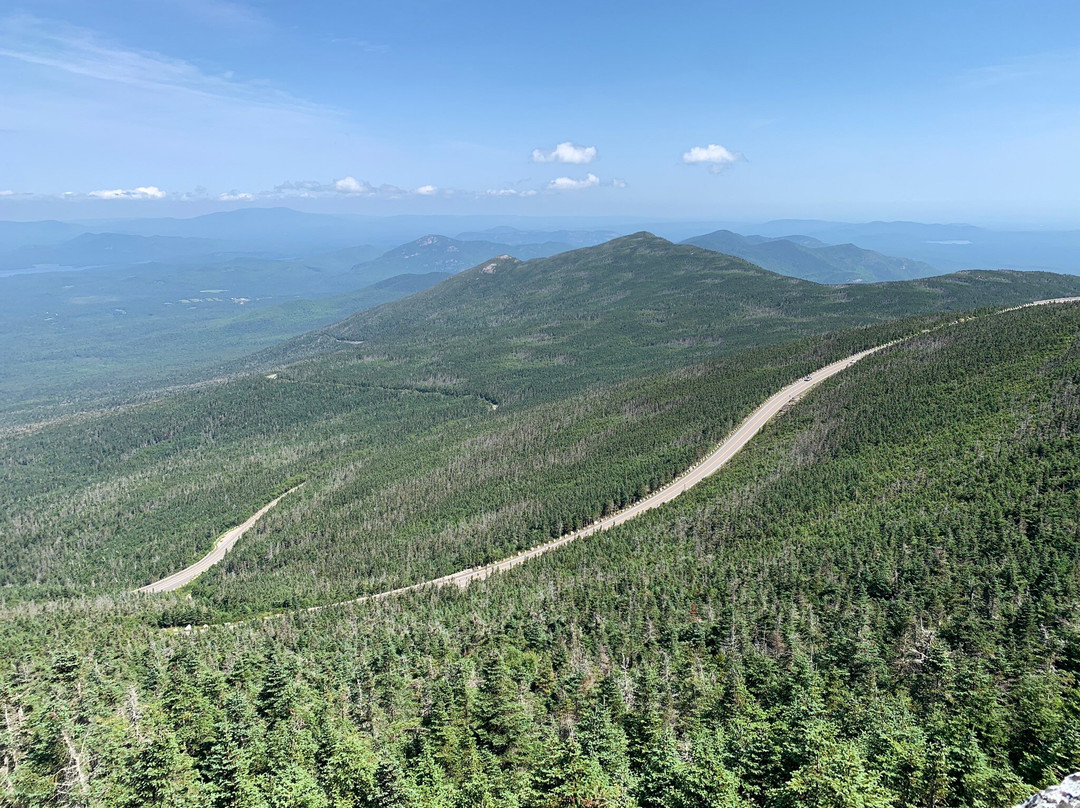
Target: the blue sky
pixel 930 111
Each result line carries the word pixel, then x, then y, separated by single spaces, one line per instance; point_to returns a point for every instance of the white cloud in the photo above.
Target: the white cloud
pixel 142 192
pixel 7 193
pixel 566 152
pixel 352 186
pixel 426 190
pixel 715 155
pixel 236 196
pixel 617 183
pixel 570 184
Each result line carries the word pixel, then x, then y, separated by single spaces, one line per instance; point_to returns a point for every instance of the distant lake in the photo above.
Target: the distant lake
pixel 4 273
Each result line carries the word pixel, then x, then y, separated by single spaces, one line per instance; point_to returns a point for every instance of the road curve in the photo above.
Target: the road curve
pixel 691 477
pixel 221 547
pixel 695 474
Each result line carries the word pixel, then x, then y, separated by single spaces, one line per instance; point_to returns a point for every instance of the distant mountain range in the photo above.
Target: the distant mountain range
pixel 862 249
pixel 797 256
pixel 813 260
pixel 296 232
pixel 430 253
pixel 649 297
pixel 947 246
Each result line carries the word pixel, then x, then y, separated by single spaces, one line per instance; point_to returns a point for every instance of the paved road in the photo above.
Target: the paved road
pixel 223 545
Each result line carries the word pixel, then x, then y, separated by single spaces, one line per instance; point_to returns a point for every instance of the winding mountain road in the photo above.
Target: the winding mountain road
pixel 694 475
pixel 691 477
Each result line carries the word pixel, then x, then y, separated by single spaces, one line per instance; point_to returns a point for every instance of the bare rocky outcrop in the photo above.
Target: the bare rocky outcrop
pixel 1066 795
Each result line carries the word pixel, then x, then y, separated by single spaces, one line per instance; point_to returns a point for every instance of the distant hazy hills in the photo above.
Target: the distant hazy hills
pixel 285 234
pixel 431 253
pixel 813 260
pixel 434 253
pixel 514 236
pixel 947 246
pixel 114 249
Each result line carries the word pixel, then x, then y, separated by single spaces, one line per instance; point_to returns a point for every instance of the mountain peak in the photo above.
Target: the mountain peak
pixel 641 242
pixel 431 239
pixel 492 266
pixel 640 237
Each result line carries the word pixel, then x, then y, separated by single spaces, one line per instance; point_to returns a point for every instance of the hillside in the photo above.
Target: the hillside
pixel 878 597
pixel 507 329
pixel 813 260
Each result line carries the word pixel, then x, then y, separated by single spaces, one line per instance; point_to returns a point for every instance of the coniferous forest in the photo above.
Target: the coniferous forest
pixel 876 603
pixel 427 404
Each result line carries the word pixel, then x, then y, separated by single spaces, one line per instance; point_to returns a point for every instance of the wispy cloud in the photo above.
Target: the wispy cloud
pixel 566 152
pixel 224 14
pixel 364 45
pixel 142 192
pixel 152 113
pixel 1052 67
pixel 509 192
pixel 570 184
pixel 79 52
pixel 347 186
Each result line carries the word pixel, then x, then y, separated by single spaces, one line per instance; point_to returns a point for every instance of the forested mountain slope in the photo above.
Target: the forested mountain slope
pixel 509 330
pixel 876 604
pixel 613 369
